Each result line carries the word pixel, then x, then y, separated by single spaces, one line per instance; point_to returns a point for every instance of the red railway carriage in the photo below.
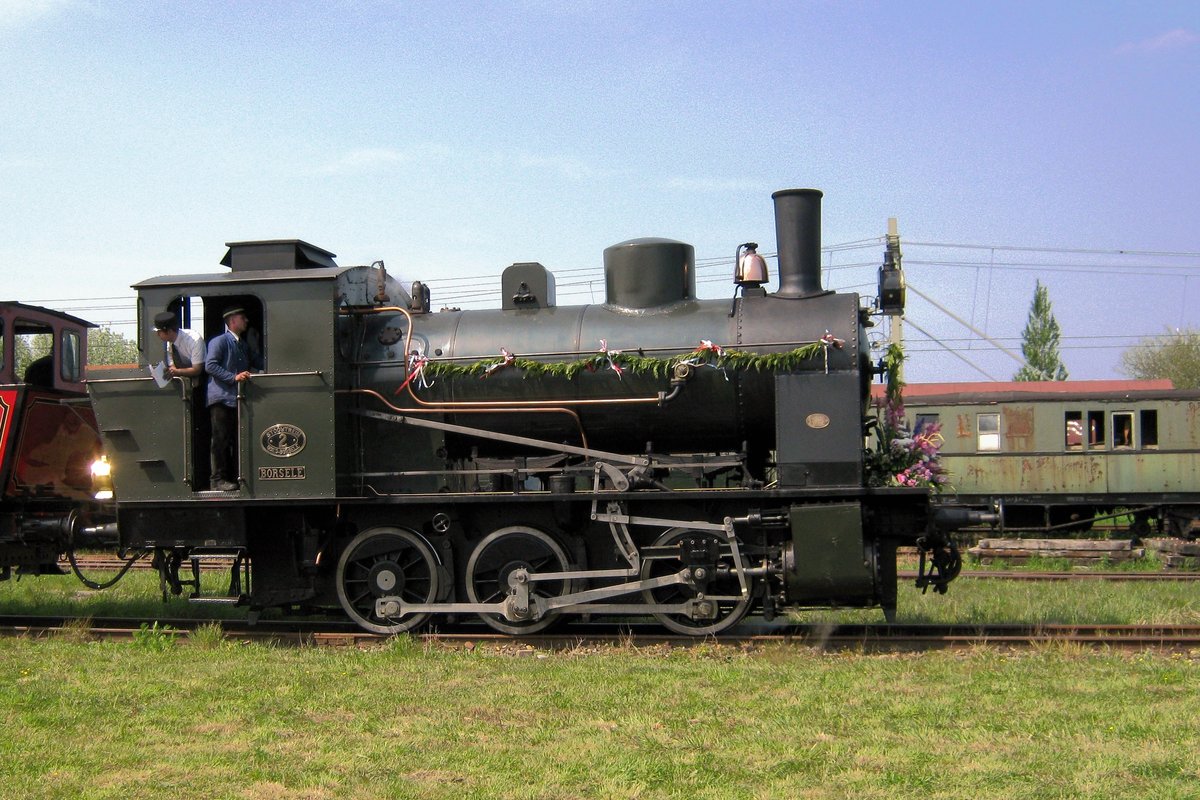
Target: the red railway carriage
pixel 48 437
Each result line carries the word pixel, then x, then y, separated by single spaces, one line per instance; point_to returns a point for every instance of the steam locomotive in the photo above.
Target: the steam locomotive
pixel 656 455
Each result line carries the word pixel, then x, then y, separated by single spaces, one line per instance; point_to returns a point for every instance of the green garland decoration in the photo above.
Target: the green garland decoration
pixel 634 363
pixel 893 359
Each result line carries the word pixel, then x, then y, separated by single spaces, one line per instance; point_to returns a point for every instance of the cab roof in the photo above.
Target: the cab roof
pixel 39 313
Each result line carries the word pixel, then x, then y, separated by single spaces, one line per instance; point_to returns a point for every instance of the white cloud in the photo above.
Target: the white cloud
pixel 19 163
pixel 716 185
pixel 1171 40
pixel 372 159
pixel 16 13
pixel 367 159
pixel 564 166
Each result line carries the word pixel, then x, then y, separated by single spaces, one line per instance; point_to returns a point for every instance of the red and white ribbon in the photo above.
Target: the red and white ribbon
pixel 827 341
pixel 506 359
pixel 700 356
pixel 416 371
pixel 609 355
pixel 830 340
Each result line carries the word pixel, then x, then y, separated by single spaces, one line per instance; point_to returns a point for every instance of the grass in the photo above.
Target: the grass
pixel 110 720
pixel 1100 602
pixel 216 719
pixel 137 596
pixel 1148 563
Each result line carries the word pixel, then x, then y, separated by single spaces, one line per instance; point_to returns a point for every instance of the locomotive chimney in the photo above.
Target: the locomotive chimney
pixel 798 239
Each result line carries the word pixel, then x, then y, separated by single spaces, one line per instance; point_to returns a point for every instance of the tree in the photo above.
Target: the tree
pixel 106 346
pixel 1039 342
pixel 1175 355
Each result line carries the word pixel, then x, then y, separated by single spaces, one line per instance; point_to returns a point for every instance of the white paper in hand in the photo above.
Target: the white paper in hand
pixel 159 373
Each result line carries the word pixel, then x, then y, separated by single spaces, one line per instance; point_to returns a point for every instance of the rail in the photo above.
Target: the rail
pixel 870 637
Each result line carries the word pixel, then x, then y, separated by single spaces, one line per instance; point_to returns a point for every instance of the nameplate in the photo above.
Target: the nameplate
pixel 295 473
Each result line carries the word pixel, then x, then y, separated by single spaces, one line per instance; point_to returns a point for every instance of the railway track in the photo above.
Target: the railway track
pixel 867 637
pixel 1073 575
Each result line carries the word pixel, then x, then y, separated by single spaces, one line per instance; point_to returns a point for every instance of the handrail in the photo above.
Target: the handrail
pixel 177 378
pixel 258 375
pixel 117 380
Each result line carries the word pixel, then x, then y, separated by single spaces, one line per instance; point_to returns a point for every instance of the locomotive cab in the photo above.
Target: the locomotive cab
pixel 286 432
pixel 48 439
pixel 288 435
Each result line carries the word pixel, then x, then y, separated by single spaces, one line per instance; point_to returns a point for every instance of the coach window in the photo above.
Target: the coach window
pixel 1074 430
pixel 1096 429
pixel 988 427
pixel 1149 419
pixel 1122 430
pixel 925 423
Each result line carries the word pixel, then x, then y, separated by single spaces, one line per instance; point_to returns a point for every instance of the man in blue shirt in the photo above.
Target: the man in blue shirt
pixel 229 362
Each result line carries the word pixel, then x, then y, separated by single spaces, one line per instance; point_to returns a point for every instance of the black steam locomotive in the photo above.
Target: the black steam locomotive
pixel 655 455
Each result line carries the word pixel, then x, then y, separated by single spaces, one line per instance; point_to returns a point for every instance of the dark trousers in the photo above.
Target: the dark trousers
pixel 224 434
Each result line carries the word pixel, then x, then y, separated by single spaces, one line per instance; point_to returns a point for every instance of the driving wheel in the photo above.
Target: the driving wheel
pixel 387 562
pixel 712 554
pixel 498 556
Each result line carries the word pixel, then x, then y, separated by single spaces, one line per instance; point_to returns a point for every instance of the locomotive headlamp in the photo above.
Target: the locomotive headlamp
pixel 891 279
pixel 102 485
pixel 751 268
pixel 891 291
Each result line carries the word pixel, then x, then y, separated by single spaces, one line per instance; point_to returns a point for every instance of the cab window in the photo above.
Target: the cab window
pixel 212 309
pixel 71 366
pixel 33 353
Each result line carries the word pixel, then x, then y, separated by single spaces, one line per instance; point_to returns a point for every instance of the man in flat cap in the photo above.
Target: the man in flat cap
pixel 183 349
pixel 230 361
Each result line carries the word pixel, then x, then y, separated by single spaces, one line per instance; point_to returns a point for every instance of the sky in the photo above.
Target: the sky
pixel 1012 141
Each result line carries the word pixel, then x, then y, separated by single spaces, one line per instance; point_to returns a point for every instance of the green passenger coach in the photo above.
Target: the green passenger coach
pixel 1059 455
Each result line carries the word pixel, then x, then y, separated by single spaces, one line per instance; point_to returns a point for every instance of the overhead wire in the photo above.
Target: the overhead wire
pixel 1072 250
pixel 588 282
pixel 909 323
